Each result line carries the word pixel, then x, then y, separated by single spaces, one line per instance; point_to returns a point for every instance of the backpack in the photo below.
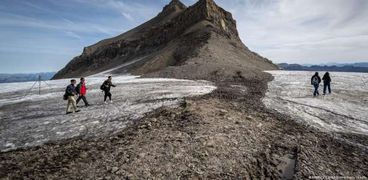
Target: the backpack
pixel 78 88
pixel 103 87
pixel 315 80
pixel 65 97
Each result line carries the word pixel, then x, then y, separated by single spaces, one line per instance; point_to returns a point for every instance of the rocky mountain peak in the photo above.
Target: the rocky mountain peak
pixel 219 17
pixel 170 39
pixel 173 6
pixel 177 3
pixel 206 2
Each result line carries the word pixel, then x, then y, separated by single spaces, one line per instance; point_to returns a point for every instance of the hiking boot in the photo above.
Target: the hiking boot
pixel 69 112
pixel 77 111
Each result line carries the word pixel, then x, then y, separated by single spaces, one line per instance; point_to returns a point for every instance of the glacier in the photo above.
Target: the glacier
pixel 343 111
pixel 28 119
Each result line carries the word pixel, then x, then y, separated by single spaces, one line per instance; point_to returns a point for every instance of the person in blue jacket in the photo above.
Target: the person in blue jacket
pixel 315 81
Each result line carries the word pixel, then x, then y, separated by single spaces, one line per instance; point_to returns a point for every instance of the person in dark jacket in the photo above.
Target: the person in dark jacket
pixel 326 83
pixel 106 88
pixel 315 81
pixel 70 92
pixel 82 91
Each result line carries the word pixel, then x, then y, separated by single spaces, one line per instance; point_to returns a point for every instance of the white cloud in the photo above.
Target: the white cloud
pixel 15 20
pixel 73 35
pixel 127 16
pixel 303 30
pixel 283 30
pixel 126 8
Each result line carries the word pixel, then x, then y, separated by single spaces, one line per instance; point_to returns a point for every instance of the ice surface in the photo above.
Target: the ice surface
pixel 29 119
pixel 345 110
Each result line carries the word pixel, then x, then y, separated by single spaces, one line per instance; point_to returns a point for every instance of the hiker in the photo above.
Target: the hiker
pixel 82 91
pixel 326 83
pixel 315 81
pixel 106 88
pixel 70 92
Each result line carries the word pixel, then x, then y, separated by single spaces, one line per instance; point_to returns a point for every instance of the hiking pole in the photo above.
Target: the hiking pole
pixel 364 83
pixel 39 81
pixel 47 84
pixel 39 84
pixel 30 89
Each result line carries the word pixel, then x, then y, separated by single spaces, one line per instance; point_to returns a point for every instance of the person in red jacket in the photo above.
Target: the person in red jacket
pixel 82 91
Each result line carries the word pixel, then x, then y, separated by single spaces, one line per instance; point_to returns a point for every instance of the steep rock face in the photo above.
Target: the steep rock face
pixel 172 38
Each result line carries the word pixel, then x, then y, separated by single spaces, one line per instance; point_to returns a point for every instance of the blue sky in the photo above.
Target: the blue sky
pixel 43 35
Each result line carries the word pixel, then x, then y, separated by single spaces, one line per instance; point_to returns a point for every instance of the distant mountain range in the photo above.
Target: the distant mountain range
pixel 8 78
pixel 353 67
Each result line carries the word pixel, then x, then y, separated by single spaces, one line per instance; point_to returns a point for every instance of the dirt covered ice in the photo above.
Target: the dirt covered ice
pixel 345 110
pixel 35 119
